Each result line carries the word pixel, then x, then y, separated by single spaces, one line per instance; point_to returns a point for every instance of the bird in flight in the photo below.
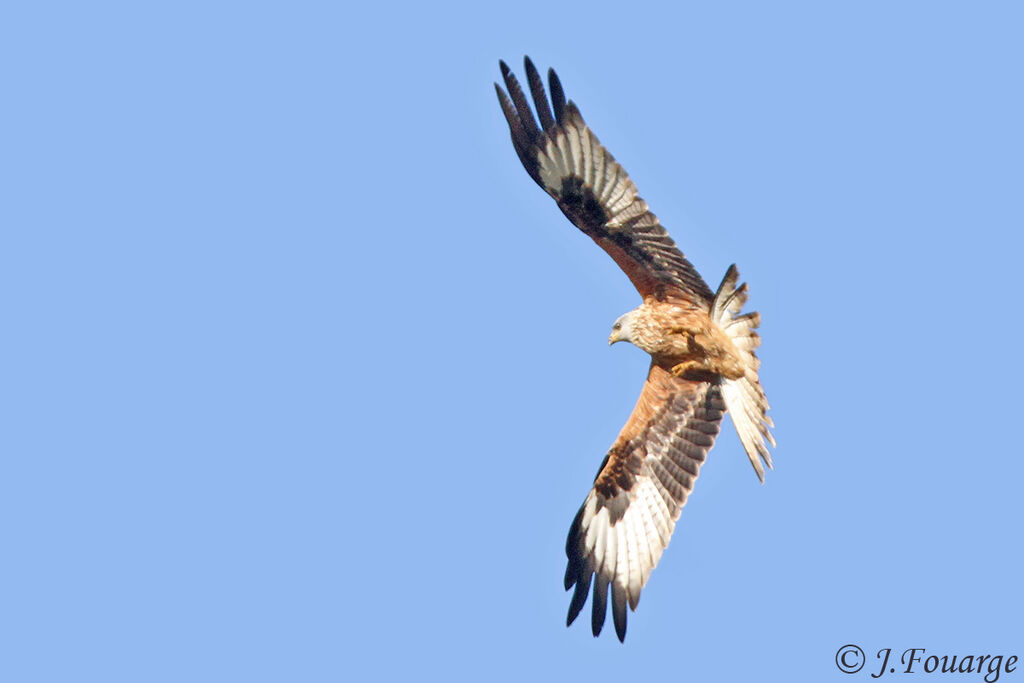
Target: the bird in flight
pixel 701 347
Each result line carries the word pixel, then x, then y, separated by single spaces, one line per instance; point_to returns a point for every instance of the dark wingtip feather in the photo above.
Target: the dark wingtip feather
pixel 579 597
pixel 515 92
pixel 619 611
pixel 573 537
pixel 540 98
pixel 504 101
pixel 521 123
pixel 514 125
pixel 557 95
pixel 577 571
pixel 600 605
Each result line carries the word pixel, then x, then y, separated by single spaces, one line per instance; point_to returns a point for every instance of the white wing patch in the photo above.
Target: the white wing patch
pixel 624 553
pixel 574 150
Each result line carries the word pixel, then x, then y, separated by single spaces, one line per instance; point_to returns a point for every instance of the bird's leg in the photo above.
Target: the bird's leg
pixel 697 360
pixel 681 369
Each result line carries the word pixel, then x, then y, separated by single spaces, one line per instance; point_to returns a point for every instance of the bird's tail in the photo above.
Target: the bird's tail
pixel 744 397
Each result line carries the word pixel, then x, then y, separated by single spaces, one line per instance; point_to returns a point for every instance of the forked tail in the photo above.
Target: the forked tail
pixel 744 397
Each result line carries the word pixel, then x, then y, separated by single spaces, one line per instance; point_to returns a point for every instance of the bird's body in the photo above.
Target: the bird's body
pixel 701 347
pixel 683 337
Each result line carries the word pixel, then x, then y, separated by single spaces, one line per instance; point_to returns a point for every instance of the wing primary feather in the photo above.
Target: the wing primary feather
pixel 510 114
pixel 619 610
pixel 572 549
pixel 520 140
pixel 588 159
pixel 557 96
pixel 522 106
pixel 540 98
pixel 611 548
pixel 641 555
pixel 624 567
pixel 575 151
pixel 600 604
pixel 579 597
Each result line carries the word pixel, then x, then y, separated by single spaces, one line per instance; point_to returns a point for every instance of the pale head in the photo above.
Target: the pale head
pixel 623 328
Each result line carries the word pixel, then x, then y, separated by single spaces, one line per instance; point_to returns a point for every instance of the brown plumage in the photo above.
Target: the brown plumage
pixel 701 347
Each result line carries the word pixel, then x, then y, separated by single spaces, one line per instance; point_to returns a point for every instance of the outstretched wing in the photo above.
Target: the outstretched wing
pixel 628 517
pixel 593 190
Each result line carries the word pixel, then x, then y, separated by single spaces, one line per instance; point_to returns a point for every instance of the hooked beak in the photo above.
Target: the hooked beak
pixel 614 337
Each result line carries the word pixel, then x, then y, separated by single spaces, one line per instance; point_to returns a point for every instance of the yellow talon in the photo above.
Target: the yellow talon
pixel 682 368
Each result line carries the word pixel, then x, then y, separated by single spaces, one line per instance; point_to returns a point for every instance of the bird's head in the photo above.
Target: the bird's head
pixel 622 330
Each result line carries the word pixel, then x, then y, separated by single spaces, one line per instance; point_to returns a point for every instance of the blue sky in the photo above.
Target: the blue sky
pixel 305 378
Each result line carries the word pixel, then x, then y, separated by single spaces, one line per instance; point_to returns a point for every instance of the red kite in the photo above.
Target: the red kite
pixel 701 348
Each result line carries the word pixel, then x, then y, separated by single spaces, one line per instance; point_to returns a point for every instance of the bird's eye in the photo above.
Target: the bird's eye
pixel 617 326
